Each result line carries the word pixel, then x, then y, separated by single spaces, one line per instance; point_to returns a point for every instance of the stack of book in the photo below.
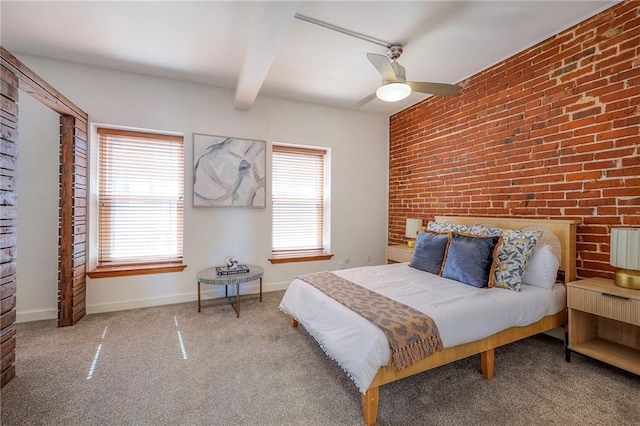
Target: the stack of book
pixel 223 270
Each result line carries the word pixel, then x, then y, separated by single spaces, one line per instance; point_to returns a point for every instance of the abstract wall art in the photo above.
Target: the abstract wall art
pixel 228 172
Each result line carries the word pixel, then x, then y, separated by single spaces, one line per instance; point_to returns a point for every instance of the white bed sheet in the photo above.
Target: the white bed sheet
pixel 462 313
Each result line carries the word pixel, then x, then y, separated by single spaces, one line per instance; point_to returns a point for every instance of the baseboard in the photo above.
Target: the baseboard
pixel 36 315
pixel 207 292
pixel 557 332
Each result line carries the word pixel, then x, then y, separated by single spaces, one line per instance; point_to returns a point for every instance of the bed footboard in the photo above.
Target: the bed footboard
pixel 485 347
pixel 371 397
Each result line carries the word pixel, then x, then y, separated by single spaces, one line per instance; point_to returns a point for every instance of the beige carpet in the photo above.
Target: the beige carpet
pixel 258 370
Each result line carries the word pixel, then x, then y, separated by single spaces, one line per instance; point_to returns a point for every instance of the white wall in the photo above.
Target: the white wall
pixel 37 190
pixel 359 170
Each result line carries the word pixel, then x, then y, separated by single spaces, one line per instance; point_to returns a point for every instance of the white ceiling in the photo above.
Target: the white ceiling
pixel 258 48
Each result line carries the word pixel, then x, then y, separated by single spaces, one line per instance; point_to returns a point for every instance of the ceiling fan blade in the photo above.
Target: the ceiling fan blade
pixel 383 65
pixel 434 88
pixel 364 101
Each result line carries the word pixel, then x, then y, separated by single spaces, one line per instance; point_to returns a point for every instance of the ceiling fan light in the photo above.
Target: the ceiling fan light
pixel 393 92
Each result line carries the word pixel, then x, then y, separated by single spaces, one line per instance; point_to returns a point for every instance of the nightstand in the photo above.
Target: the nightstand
pixel 399 253
pixel 604 322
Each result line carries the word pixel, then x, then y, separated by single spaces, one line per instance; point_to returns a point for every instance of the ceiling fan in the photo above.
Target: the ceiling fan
pixel 395 86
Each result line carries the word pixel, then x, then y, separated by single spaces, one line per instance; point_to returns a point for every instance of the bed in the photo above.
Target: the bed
pixel 506 316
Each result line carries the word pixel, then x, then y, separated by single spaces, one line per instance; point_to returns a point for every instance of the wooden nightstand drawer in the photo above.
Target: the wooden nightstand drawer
pixel 604 304
pixel 399 253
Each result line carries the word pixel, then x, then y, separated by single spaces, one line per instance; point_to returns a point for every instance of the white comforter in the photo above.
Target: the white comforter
pixel 461 312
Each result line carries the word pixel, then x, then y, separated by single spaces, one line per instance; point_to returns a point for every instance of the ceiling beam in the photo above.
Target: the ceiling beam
pixel 269 31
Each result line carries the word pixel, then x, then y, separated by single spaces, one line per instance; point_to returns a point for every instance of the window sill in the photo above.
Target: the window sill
pixel 300 258
pixel 126 270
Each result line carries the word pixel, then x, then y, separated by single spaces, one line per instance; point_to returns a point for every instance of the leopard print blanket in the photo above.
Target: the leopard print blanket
pixel 412 334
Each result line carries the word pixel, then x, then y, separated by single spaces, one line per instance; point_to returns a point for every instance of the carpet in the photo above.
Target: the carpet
pixel 170 365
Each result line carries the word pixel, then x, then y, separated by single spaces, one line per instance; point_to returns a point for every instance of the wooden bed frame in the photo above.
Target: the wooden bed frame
pixel 565 230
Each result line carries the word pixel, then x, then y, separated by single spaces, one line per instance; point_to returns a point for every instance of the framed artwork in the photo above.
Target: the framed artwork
pixel 228 172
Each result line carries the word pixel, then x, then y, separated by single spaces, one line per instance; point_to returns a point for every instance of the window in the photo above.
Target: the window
pixel 140 203
pixel 299 204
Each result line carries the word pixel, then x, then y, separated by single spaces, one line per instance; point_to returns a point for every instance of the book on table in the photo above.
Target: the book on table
pixel 223 270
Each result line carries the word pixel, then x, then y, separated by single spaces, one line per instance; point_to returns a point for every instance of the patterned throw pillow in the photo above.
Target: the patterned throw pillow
pixel 449 227
pixel 485 230
pixel 477 230
pixel 471 260
pixel 513 255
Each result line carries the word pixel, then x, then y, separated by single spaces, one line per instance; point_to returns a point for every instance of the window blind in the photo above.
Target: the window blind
pixel 298 200
pixel 140 197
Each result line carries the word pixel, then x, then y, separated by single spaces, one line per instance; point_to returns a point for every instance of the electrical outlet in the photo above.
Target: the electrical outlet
pixel 368 259
pixel 347 260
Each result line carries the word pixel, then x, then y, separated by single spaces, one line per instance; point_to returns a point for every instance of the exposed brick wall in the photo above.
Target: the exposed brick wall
pixel 551 132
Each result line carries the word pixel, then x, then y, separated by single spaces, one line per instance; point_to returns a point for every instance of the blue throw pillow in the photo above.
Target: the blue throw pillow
pixel 471 260
pixel 428 254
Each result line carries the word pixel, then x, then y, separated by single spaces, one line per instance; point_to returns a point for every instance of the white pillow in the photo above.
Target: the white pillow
pixel 542 268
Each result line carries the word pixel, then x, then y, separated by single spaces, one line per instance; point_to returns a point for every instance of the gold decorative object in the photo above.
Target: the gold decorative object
pixel 625 254
pixel 627 278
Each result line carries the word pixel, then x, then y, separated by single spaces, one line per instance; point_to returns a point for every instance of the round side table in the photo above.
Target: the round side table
pixel 210 276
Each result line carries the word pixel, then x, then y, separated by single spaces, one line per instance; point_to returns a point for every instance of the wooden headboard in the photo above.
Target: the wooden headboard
pixel 565 230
